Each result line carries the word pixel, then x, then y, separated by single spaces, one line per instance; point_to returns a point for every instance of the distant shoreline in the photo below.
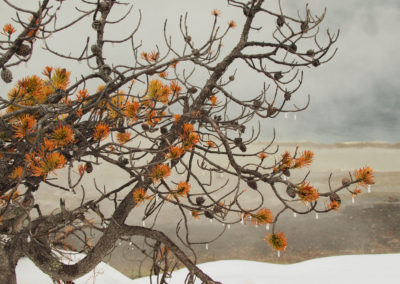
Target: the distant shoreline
pixel 348 144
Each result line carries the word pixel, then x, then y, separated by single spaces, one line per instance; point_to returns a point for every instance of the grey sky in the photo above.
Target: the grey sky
pixel 353 97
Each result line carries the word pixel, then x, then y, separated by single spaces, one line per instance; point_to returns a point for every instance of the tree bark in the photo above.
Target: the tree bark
pixel 9 256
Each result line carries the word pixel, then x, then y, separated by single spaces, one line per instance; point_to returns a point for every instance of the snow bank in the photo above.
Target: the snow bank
pixel 366 269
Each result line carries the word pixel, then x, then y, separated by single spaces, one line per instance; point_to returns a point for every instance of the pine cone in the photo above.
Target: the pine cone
pixel 335 197
pixel 252 184
pixel 292 48
pixel 280 21
pixel 345 181
pixel 316 63
pixel 291 191
pixel 208 214
pixel 278 75
pixel 200 200
pixel 6 75
pixel 89 167
pixel 24 50
pixel 304 27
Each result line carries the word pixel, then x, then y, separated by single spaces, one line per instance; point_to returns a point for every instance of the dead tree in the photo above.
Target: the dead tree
pixel 153 120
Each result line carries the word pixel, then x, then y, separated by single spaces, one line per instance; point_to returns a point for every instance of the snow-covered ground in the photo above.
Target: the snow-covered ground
pixel 366 269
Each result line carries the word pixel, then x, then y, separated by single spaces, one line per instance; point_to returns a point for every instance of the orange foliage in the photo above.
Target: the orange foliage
pixel 24 126
pixel 160 171
pixel 139 196
pixel 101 131
pixel 42 163
pixel 277 241
pixel 306 192
pixel 123 137
pixel 62 136
pixel 262 217
pixel 174 152
pixel 9 29
pixel 16 173
pixel 364 176
pixel 305 159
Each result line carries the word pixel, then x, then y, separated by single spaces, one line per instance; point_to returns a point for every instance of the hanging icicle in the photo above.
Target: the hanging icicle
pixel 316 216
pixel 206 246
pixel 229 226
pixel 241 221
pixel 144 223
pixel 369 188
pixel 352 199
pixel 294 214
pixel 279 253
pixel 267 227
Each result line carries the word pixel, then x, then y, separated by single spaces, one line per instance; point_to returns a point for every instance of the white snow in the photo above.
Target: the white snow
pixel 366 269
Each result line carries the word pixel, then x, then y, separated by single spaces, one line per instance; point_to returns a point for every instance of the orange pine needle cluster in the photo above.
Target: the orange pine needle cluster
pixel 123 137
pixel 262 156
pixel 211 144
pixel 139 196
pixel 182 189
pixel 334 205
pixel 163 75
pixel 9 29
pixel 82 95
pixel 60 78
pixel 307 192
pixel 174 87
pixel 101 131
pixel 81 169
pixel 42 163
pixel 47 71
pixel 364 176
pixel 131 109
pixel 305 159
pixel 213 100
pixel 158 92
pixel 195 214
pixel 24 126
pixel 152 57
pixel 232 24
pixel 177 117
pixel 62 136
pixel 16 173
pixel 189 137
pixel 216 12
pixel 159 172
pixel 287 160
pixel 277 241
pixel 262 217
pixel 174 152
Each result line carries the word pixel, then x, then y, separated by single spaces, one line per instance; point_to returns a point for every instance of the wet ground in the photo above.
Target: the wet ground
pixel 371 225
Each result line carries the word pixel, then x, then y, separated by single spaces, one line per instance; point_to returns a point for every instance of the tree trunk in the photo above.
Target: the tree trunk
pixel 9 256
